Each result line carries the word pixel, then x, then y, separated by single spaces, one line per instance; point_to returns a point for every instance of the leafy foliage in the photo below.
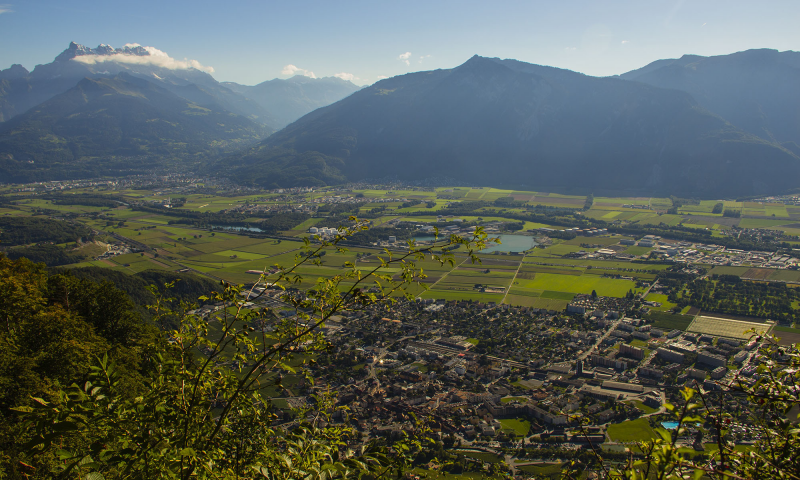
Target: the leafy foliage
pixel 185 287
pixel 53 327
pixel 26 230
pixel 196 416
pixel 50 255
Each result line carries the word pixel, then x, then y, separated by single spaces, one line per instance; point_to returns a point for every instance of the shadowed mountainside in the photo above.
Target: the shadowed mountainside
pixel 96 127
pixel 492 121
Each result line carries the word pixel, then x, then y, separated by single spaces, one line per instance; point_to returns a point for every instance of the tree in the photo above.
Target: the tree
pixel 195 417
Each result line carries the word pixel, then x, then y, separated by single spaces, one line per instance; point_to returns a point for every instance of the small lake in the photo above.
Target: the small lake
pixel 509 243
pixel 238 229
pixel 669 425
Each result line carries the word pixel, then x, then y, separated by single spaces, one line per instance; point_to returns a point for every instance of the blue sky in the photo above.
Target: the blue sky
pixel 251 41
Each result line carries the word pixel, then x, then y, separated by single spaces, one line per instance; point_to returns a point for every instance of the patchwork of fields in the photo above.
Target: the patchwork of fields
pixel 542 277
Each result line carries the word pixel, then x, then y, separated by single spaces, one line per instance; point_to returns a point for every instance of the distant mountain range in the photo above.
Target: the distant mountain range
pixel 50 93
pixel 115 125
pixel 756 90
pixel 288 100
pixel 695 126
pixel 492 121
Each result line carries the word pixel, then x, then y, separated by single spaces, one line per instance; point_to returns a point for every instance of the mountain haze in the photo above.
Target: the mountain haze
pixel 116 125
pixel 755 90
pixel 288 100
pixel 492 121
pixel 23 92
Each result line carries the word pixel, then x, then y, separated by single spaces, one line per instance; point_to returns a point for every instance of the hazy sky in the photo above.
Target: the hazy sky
pixel 250 41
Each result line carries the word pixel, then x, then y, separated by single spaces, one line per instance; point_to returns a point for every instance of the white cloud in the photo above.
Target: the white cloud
pixel 704 24
pixel 293 70
pixel 381 77
pixel 424 57
pixel 405 58
pixel 5 8
pixel 624 42
pixel 156 58
pixel 346 76
pixel 570 49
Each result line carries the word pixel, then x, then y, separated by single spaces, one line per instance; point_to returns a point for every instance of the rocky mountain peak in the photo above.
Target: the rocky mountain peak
pixel 77 50
pixel 14 71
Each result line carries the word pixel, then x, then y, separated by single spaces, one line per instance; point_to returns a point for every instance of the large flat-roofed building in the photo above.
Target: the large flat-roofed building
pixel 696 373
pixel 454 343
pixel 609 362
pixel 711 359
pixel 670 355
pixel 630 351
pixel 650 372
pixel 627 387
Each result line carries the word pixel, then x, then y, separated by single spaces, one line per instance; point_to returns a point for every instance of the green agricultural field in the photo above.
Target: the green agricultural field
pixel 607 287
pixel 646 215
pixel 671 220
pixel 513 399
pixel 478 272
pixel 605 241
pixel 529 271
pixel 527 292
pixel 779 328
pixel 785 275
pixel 557 295
pixel 521 301
pixel 644 408
pixel 631 431
pixel 724 327
pixel 550 304
pixel 723 270
pixel 437 293
pixel 520 427
pixel 563 248
pixel 762 222
pixel 666 305
pixel 269 247
pixel 669 321
pixel 541 470
pixel 220 243
pixel 636 250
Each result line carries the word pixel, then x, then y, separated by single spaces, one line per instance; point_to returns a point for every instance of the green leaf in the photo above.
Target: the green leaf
pixel 187 452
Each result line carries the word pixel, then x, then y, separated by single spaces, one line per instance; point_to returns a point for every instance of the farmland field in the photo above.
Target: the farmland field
pixel 670 321
pixel 520 427
pixel 631 431
pixel 584 284
pixel 723 327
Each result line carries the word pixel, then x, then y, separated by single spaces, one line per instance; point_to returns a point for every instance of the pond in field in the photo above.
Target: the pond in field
pixel 508 243
pixel 238 229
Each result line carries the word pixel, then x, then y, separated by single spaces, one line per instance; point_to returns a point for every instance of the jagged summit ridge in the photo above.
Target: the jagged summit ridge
pixel 78 50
